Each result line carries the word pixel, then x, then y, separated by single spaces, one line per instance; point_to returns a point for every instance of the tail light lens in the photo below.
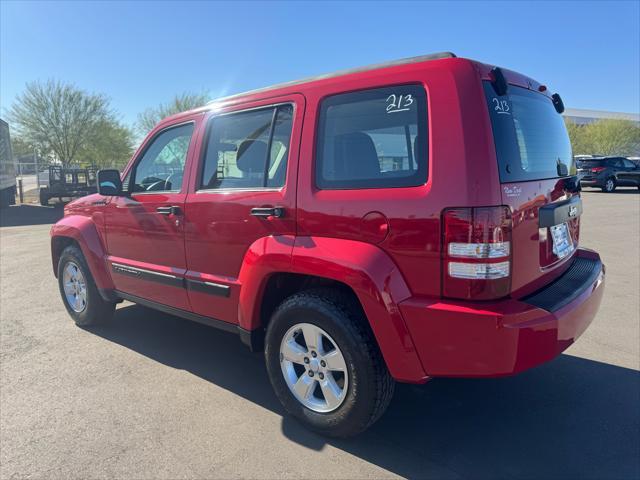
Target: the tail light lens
pixel 597 169
pixel 477 252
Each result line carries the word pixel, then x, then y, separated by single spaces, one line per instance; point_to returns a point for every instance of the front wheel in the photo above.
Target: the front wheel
pixel 609 185
pixel 324 364
pixel 79 292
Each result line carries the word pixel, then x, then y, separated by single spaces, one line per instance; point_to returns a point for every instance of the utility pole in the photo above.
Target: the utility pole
pixel 35 162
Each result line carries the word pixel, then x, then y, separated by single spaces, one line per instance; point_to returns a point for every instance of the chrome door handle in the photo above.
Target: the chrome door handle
pixel 172 210
pixel 266 212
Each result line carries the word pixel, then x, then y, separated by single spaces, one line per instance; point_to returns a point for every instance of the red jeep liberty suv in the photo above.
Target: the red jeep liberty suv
pixel 398 222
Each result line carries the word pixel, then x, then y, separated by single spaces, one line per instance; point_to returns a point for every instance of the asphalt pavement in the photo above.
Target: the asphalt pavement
pixel 154 396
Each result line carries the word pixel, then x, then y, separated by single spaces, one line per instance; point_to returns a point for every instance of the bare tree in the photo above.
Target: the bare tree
pixel 59 118
pixel 180 103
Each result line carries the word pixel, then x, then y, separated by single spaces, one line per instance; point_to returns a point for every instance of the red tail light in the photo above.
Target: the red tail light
pixel 598 169
pixel 476 252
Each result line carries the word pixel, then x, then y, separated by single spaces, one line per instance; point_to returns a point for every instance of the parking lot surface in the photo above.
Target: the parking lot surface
pixel 153 396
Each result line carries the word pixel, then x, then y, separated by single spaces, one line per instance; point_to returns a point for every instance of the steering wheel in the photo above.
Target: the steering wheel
pixel 174 180
pixel 166 184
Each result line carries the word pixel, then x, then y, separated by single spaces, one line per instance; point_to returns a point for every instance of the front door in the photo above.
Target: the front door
pixel 244 190
pixel 145 229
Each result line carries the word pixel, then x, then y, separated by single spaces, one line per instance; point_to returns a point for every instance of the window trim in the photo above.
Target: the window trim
pixel 423 115
pixel 134 167
pixel 205 146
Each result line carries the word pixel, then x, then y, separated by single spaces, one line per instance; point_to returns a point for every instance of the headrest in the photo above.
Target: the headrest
pixel 251 156
pixel 356 157
pixel 416 147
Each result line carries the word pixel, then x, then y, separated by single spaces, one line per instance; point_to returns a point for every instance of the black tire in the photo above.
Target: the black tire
pixel 370 386
pixel 44 198
pixel 609 185
pixel 97 310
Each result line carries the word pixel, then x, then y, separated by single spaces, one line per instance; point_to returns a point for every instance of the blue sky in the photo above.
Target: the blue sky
pixel 142 53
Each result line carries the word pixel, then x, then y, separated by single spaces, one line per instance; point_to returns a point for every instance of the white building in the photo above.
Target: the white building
pixel 583 117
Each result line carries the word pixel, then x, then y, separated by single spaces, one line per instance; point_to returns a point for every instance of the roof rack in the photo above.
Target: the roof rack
pixel 403 61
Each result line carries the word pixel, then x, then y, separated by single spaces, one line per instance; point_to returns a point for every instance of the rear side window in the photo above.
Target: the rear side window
pixel 373 139
pixel 248 149
pixel 530 136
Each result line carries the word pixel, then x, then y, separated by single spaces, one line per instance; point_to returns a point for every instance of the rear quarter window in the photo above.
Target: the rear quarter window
pixel 373 138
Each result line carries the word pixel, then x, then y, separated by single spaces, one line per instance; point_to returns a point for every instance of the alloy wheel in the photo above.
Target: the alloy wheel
pixel 75 287
pixel 314 368
pixel 609 185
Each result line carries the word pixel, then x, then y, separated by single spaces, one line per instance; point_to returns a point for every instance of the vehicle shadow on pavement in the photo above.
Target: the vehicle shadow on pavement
pixel 21 215
pixel 571 418
pixel 619 190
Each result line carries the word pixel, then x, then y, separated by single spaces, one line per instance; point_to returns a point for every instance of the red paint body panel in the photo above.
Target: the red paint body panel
pixel 384 243
pixel 84 223
pixel 459 134
pixel 495 338
pixel 534 264
pixel 264 258
pixel 379 286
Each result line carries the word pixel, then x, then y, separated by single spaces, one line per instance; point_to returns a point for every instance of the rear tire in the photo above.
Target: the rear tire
pixel 609 185
pixel 366 388
pixel 79 292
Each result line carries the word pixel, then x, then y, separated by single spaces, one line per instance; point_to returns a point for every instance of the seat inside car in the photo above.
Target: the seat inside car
pixel 356 157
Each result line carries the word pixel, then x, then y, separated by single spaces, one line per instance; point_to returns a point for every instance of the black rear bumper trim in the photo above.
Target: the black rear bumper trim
pixel 582 273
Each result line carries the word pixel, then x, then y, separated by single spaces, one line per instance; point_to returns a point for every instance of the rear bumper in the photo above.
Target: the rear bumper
pixel 488 339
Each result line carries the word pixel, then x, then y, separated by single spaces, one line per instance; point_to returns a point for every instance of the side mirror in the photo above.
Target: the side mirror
pixel 109 182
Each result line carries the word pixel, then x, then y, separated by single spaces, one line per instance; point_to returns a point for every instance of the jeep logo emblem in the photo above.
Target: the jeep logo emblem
pixel 573 211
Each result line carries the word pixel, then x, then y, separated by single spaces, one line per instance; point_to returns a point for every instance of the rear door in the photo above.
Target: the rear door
pixel 244 190
pixel 533 149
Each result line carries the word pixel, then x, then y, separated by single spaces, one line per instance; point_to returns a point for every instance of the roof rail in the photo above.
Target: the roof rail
pixel 403 61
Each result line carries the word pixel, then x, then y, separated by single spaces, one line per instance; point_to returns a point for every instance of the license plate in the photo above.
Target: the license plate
pixel 562 242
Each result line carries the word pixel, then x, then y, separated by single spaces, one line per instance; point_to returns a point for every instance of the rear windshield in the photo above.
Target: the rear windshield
pixel 590 163
pixel 529 135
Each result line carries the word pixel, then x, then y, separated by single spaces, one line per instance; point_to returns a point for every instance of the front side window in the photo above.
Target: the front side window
pixel 248 149
pixel 161 167
pixel 373 139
